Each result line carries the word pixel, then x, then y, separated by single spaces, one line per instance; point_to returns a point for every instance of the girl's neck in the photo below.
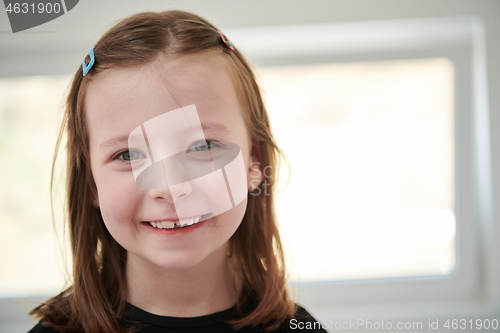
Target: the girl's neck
pixel 209 287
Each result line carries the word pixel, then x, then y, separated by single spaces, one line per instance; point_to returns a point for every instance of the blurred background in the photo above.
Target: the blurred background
pixel 384 110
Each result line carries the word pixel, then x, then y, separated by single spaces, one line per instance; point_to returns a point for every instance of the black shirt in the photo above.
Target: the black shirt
pixel 151 323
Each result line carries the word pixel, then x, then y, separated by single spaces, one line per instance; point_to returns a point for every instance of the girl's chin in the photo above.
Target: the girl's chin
pixel 183 260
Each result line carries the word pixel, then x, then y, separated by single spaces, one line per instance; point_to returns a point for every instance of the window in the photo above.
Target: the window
pixel 371 153
pixel 30 110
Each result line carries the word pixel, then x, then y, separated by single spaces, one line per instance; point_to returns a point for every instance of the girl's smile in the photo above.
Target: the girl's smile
pixel 176 227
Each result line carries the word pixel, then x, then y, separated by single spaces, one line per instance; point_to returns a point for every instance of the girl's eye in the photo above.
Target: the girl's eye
pixel 130 155
pixel 202 145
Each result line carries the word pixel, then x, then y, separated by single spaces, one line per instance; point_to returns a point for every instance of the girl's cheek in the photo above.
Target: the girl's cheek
pixel 118 191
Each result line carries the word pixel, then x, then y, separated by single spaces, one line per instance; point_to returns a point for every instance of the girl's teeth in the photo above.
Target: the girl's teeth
pixel 167 224
pixel 184 222
pixel 181 223
pixel 189 221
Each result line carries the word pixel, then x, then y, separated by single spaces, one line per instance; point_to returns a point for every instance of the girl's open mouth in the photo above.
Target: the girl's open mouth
pixel 181 223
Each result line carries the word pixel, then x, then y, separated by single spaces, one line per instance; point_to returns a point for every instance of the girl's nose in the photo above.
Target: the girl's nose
pixel 181 191
pixel 161 194
pixel 172 193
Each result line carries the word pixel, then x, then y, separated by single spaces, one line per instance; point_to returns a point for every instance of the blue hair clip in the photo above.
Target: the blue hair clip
pixel 85 67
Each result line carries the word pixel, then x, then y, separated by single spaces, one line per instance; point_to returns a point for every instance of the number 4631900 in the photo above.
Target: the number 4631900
pixel 40 8
pixel 471 324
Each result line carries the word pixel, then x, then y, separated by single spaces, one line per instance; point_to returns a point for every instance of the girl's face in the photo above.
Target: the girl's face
pixel 120 101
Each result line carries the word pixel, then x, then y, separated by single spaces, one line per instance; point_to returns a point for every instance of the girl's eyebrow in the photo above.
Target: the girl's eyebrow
pixel 216 127
pixel 114 141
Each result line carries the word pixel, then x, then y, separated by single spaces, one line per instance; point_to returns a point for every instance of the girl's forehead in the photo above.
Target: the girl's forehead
pixel 176 79
pixel 133 95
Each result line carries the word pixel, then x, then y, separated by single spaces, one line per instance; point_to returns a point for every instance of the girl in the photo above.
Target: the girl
pixel 167 134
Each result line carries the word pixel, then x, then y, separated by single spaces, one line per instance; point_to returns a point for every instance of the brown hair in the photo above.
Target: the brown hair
pixel 96 299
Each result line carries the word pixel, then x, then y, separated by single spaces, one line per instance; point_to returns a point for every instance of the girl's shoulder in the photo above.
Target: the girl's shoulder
pixel 303 321
pixel 39 328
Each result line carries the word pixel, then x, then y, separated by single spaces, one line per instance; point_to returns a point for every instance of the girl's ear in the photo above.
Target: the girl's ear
pixel 254 174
